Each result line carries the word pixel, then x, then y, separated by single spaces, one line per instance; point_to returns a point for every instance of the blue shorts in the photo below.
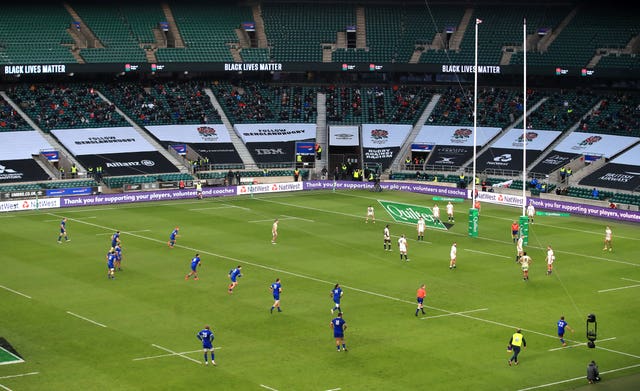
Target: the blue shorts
pixel 514 233
pixel 276 297
pixel 338 335
pixel 62 231
pixel 110 265
pixel 233 279
pixel 420 300
pixel 336 301
pixel 207 345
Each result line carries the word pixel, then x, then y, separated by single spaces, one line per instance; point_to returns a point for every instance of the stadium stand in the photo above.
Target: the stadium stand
pixel 618 113
pixel 563 109
pixel 10 120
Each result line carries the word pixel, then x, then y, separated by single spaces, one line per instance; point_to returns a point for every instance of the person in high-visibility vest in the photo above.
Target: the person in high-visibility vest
pixel 74 171
pixel 515 343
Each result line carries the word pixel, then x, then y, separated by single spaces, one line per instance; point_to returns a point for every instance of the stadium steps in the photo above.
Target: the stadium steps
pixel 65 155
pixel 458 35
pixel 174 31
pixel 146 136
pixel 361 28
pixel 322 132
pixel 243 152
pixel 398 162
pixel 547 40
pixel 85 31
pixel 256 10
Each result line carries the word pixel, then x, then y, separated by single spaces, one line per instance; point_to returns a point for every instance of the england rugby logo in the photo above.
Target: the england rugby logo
pixel 379 134
pixel 207 132
pixel 590 140
pixel 462 134
pixel 530 137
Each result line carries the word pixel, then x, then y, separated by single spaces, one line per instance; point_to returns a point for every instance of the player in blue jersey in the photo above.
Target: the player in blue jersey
pixel 339 326
pixel 561 326
pixel 206 336
pixel 336 293
pixel 195 262
pixel 234 274
pixel 115 239
pixel 118 250
pixel 276 289
pixel 63 231
pixel 111 258
pixel 172 237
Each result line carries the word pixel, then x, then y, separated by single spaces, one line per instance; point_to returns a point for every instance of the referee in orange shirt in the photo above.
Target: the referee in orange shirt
pixel 421 293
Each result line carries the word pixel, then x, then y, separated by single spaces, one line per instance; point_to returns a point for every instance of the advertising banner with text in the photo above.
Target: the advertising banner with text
pixel 34 204
pixel 218 153
pixel 537 140
pixel 384 135
pixel 504 159
pixel 554 161
pixel 614 176
pixel 383 156
pixel 630 158
pixel 605 145
pixel 23 170
pixel 210 133
pixel 102 140
pixel 447 156
pixel 133 163
pixel 455 135
pixel 344 135
pixel 21 145
pixel 273 152
pixel 250 133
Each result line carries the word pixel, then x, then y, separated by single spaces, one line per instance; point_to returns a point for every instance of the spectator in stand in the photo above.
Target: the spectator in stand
pixel 595 194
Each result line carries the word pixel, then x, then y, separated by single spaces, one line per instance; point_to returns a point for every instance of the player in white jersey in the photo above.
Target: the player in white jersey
pixel 452 255
pixel 436 212
pixel 387 238
pixel 370 214
pixel 450 212
pixel 274 231
pixel 421 226
pixel 525 261
pixel 531 211
pixel 402 247
pixel 519 248
pixel 608 236
pixel 550 258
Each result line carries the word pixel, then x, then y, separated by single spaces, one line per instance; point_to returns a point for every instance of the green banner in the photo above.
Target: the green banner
pixel 473 222
pixel 562 214
pixel 407 213
pixel 524 229
pixel 448 199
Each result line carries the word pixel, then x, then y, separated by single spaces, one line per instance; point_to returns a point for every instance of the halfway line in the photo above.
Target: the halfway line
pixel 87 319
pixel 16 292
pixel 176 353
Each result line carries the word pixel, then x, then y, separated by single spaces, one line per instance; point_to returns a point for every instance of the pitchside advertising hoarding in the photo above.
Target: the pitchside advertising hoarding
pixel 209 133
pixel 344 136
pixel 22 145
pixel 41 203
pixel 263 133
pixel 605 145
pixel 455 135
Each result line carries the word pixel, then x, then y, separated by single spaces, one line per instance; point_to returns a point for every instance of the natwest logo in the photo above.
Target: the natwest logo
pixel 269 151
pixel 145 162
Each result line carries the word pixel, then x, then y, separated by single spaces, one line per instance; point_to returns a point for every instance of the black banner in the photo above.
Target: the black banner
pixel 446 156
pixel 218 153
pixel 270 152
pixel 504 159
pixel 131 163
pixel 614 176
pixel 23 170
pixel 554 161
pixel 383 156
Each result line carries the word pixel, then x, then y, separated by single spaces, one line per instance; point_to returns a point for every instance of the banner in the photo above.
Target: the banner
pixel 72 191
pixel 181 149
pixel 52 156
pixel 537 140
pixel 554 161
pixel 384 135
pixel 275 132
pixel 605 145
pixel 42 203
pixel 269 188
pixel 504 159
pixel 273 152
pixel 23 170
pixel 422 147
pixel 450 156
pixel 631 157
pixel 305 148
pixel 102 140
pixel 22 145
pixel 133 163
pixel 218 153
pixel 344 135
pixel 614 176
pixel 22 194
pixel 455 135
pixel 383 156
pixel 500 199
pixel 210 133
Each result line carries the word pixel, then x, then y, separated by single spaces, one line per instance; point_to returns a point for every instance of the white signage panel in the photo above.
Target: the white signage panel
pixel 94 141
pixel 21 145
pixel 384 135
pixel 251 133
pixel 209 133
pixel 455 135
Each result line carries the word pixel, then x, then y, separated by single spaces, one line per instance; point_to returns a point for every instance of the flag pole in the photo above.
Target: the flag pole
pixel 524 120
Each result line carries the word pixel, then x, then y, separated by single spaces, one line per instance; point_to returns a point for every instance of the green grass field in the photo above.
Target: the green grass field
pixel 77 330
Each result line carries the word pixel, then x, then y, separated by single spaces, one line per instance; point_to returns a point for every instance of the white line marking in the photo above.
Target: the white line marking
pixel 482 252
pixel 454 313
pixel 268 388
pixel 140 230
pixel 16 292
pixel 225 206
pixel 334 389
pixel 271 220
pixel 236 260
pixel 579 344
pixel 617 289
pixel 5 388
pixel 176 353
pixel 171 354
pixel 577 378
pixel 87 319
pixel 298 218
pixel 20 375
pixel 628 279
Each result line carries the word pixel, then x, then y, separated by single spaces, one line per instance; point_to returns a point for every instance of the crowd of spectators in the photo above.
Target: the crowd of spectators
pixel 254 101
pixel 167 103
pixel 562 109
pixel 10 119
pixel 617 114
